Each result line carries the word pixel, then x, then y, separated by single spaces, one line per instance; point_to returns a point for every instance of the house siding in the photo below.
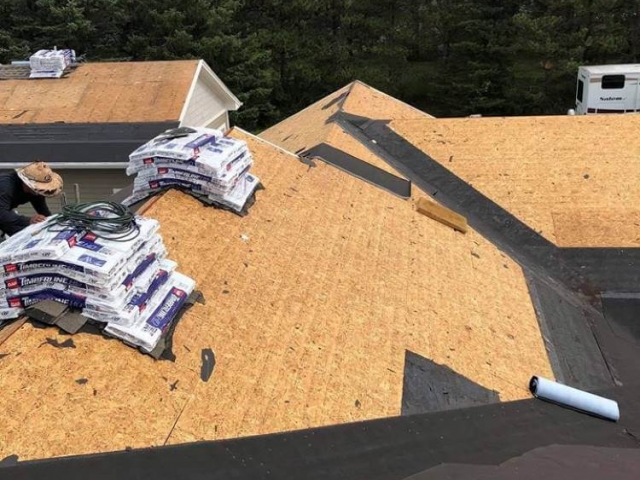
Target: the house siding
pixel 94 184
pixel 203 105
pixel 221 122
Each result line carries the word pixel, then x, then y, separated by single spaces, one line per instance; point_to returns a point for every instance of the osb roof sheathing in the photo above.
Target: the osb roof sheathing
pixel 573 179
pixel 101 92
pixel 313 125
pixel 312 302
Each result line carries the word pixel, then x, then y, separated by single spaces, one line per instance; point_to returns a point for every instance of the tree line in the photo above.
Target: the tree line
pixel 446 57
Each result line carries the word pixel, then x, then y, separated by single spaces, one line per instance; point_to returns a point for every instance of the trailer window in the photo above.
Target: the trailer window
pixel 612 82
pixel 580 90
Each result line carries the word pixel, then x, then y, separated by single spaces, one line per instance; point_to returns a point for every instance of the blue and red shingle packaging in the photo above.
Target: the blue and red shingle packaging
pixel 200 161
pixel 51 63
pixel 126 285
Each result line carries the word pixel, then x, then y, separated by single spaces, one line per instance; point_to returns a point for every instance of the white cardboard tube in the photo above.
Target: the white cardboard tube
pixel 574 398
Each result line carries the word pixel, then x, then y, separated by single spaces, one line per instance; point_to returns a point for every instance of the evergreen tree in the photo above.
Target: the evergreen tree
pixel 555 37
pixel 376 43
pixel 448 57
pixel 43 23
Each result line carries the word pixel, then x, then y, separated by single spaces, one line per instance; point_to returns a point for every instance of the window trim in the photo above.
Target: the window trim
pixel 613 82
pixel 580 92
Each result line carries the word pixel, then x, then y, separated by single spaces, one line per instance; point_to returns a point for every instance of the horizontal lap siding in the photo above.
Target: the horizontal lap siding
pixel 204 104
pixel 220 122
pixel 94 185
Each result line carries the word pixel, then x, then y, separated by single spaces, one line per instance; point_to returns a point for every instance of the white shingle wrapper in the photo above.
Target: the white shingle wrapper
pixel 113 282
pixel 51 60
pixel 237 198
pixel 160 313
pixel 204 162
pixel 180 148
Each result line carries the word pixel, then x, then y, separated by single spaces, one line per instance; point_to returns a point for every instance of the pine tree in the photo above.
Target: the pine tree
pixel 475 58
pixel 376 42
pixel 556 37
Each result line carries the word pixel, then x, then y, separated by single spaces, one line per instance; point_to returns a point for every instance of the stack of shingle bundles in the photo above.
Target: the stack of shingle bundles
pixel 50 63
pixel 125 284
pixel 200 161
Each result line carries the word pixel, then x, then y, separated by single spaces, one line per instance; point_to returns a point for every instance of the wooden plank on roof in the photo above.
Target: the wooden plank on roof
pixel 12 328
pixel 442 214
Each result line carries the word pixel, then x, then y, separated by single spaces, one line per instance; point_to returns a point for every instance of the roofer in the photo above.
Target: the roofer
pixel 32 184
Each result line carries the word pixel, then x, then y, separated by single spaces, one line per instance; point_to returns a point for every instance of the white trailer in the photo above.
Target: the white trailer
pixel 608 89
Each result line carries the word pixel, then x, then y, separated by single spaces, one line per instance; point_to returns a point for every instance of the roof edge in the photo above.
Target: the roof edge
pixel 267 142
pixel 203 66
pixel 348 87
pixel 192 87
pixel 392 447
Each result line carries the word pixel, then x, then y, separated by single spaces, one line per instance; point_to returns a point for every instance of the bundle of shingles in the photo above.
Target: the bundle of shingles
pixel 51 63
pixel 125 285
pixel 200 161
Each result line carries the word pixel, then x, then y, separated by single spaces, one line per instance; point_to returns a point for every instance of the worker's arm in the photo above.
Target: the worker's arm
pixel 10 221
pixel 39 204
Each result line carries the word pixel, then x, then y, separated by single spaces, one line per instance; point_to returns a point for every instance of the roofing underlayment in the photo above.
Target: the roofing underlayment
pixel 76 144
pixel 101 92
pixel 507 436
pixel 333 301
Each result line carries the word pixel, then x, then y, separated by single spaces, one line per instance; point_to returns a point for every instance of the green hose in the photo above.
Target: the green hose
pixel 108 220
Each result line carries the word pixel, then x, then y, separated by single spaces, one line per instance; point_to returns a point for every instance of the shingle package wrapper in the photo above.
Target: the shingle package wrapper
pixel 203 162
pixel 123 283
pixel 77 254
pixel 157 317
pixel 50 63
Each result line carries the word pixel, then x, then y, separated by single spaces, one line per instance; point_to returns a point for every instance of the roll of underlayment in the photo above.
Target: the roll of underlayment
pixel 574 398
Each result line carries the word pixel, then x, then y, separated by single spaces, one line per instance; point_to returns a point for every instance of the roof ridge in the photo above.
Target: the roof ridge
pixel 348 87
pixel 390 97
pixel 344 99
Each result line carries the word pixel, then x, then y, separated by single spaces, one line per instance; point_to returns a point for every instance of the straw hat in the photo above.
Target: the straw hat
pixel 41 179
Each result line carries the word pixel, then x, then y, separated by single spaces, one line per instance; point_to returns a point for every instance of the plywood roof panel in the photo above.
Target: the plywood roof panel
pixel 338 271
pixel 102 92
pixel 314 124
pixel 541 169
pixel 31 95
pixel 584 227
pixel 310 126
pixel 96 396
pixel 366 101
pixel 312 302
pixel 10 116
